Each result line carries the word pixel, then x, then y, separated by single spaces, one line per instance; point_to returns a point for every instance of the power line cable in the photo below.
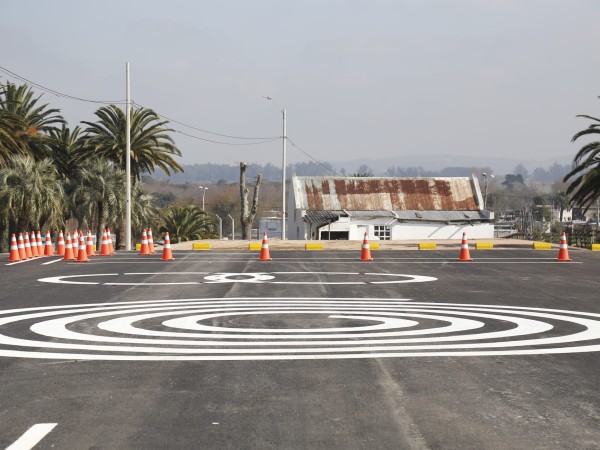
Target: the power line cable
pixel 206 131
pixel 265 141
pixel 313 158
pixel 224 143
pixel 55 92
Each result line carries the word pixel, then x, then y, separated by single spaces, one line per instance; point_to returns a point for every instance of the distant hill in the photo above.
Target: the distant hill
pixel 500 166
pixel 548 169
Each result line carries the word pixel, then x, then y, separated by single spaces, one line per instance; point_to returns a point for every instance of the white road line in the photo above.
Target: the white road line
pixel 52 262
pixel 32 436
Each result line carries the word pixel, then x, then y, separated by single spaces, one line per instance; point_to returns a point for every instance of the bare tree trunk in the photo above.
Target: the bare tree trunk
pixel 248 213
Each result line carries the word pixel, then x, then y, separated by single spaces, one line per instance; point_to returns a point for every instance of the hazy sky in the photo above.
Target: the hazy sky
pixel 372 79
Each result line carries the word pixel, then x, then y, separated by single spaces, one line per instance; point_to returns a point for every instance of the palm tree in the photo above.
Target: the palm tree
pixel 10 145
pixel 585 174
pixel 65 143
pixel 186 223
pixel 96 193
pixel 151 145
pixel 32 122
pixel 31 194
pixel 144 211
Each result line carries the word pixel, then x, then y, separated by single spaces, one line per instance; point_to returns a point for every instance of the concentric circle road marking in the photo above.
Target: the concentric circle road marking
pixel 246 277
pixel 291 328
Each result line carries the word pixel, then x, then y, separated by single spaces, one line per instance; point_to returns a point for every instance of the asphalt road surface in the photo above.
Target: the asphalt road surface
pixel 313 350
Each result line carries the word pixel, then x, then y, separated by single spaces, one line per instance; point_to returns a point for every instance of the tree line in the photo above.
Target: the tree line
pixel 53 176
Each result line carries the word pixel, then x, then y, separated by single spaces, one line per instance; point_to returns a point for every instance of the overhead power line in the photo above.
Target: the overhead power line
pixel 206 131
pixel 55 92
pixel 225 143
pixel 261 140
pixel 21 78
pixel 312 157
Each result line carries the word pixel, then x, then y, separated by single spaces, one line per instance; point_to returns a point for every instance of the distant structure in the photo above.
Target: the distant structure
pixel 271 224
pixel 330 208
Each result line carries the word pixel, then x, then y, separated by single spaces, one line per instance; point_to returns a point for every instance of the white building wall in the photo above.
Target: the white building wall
pixel 408 231
pixel 423 231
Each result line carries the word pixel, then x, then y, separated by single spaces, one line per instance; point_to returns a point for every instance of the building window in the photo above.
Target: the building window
pixel 382 232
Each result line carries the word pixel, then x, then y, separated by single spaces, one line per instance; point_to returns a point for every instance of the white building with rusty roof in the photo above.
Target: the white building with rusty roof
pixel 322 208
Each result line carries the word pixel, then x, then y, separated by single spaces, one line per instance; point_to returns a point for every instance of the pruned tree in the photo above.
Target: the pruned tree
pixel 248 212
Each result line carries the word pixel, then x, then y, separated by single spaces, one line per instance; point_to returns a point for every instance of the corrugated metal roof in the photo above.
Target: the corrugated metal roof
pixel 321 217
pixel 375 193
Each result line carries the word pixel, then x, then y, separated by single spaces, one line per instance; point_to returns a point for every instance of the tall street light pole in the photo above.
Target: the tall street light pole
pixel 203 192
pixel 283 112
pixel 485 185
pixel 128 160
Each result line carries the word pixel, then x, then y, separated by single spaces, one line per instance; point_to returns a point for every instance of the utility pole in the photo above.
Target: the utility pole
pixel 282 111
pixel 283 221
pixel 128 161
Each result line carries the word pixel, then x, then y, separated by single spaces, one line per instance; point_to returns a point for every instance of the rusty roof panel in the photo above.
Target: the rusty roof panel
pixel 399 194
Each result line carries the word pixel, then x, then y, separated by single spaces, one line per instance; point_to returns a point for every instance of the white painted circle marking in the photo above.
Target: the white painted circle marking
pixel 244 277
pixel 268 329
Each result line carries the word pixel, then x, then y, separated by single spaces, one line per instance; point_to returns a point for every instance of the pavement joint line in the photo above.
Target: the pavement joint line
pixel 32 436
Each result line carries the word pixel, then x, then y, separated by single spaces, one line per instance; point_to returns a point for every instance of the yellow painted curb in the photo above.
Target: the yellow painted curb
pixel 201 246
pixel 596 247
pixel 484 245
pixel 138 246
pixel 255 246
pixel 427 246
pixel 313 246
pixel 373 245
pixel 542 246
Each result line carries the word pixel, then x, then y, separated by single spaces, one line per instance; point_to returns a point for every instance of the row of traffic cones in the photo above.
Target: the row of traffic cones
pixel 79 251
pixel 563 252
pixel 464 255
pixel 24 248
pixel 82 250
pixel 147 245
pixel 27 247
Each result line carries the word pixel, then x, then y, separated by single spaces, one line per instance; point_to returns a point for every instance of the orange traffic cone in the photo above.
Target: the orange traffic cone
pixel 38 241
pixel 75 243
pixel 68 256
pixel 14 250
pixel 563 252
pixel 464 249
pixel 28 246
pixel 109 241
pixel 89 248
pixel 264 250
pixel 150 242
pixel 60 246
pixel 167 255
pixel 366 250
pixel 82 252
pixel 33 245
pixel 104 249
pixel 21 247
pixel 144 247
pixel 48 244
